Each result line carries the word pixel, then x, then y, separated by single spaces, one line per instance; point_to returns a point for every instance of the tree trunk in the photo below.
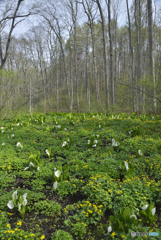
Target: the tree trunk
pixel 131 51
pixel 138 30
pixel 86 73
pixel 88 12
pixel 95 64
pixel 104 51
pixel 111 53
pixel 75 58
pixel 71 79
pixel 150 34
pixel 57 79
pixel 12 26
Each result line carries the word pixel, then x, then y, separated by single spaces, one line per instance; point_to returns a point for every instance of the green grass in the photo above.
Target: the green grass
pixel 99 191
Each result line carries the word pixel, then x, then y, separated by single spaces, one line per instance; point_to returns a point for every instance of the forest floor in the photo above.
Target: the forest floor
pixel 80 176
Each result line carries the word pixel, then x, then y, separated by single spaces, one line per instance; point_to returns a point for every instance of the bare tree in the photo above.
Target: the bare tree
pixel 74 12
pixel 86 72
pixel 88 9
pixel 104 49
pixel 131 52
pixel 150 34
pixel 49 14
pixel 72 6
pixel 137 15
pixel 7 16
pixel 111 52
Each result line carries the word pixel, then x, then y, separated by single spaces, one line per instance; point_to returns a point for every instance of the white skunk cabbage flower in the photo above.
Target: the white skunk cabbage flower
pixel 126 165
pixel 32 164
pixel 109 229
pixel 64 144
pixel 140 152
pixel 19 145
pixel 57 173
pixel 26 168
pixel 10 204
pixel 55 185
pixel 153 211
pixel 115 143
pixel 14 195
pixel 47 152
pixel 145 207
pixel 19 207
pixel 133 216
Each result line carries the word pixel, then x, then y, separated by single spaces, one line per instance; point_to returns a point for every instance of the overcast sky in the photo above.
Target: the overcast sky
pixel 22 27
pixel 32 20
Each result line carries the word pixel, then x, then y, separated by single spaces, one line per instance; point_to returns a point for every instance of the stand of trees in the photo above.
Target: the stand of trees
pixel 79 58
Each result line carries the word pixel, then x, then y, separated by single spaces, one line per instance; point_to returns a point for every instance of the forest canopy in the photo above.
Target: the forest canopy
pixel 86 55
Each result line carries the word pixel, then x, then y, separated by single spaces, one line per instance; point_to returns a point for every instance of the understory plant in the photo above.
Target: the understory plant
pixel 127 169
pixel 124 220
pixel 60 174
pixel 34 162
pixel 61 234
pixel 18 201
pixel 148 213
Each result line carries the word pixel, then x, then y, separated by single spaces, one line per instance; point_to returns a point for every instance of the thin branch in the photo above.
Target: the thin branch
pixel 10 33
pixel 17 16
pixel 152 96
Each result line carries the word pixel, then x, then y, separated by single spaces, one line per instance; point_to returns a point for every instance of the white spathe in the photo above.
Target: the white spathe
pixel 10 204
pixel 115 143
pixel 14 195
pixel 26 168
pixel 24 196
pixel 64 144
pixel 153 211
pixel 55 185
pixel 57 173
pixel 109 229
pixel 19 145
pixel 126 165
pixel 24 202
pixel 47 152
pixel 32 164
pixel 140 152
pixel 145 207
pixel 133 216
pixel 19 207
